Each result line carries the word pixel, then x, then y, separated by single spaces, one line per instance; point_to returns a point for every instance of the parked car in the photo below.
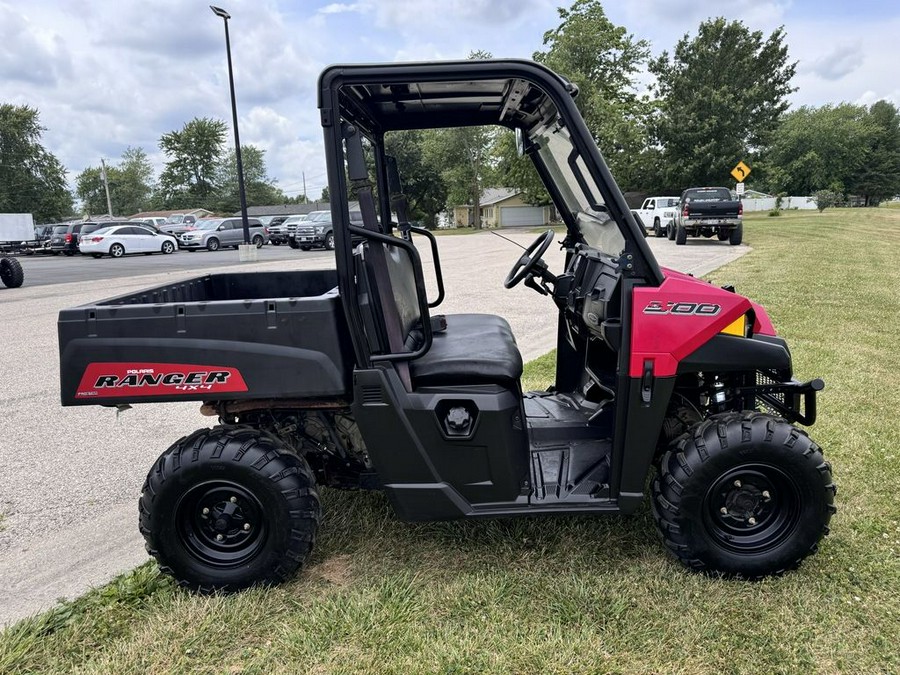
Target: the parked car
pixel 281 233
pixel 317 231
pixel 657 212
pixel 65 236
pixel 156 222
pixel 273 224
pixel 178 223
pixel 93 226
pixel 214 233
pixel 118 240
pixel 708 211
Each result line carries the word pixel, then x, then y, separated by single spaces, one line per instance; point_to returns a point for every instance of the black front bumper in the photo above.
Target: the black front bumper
pixel 793 400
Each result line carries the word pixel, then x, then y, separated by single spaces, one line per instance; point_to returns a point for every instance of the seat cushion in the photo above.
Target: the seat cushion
pixel 474 349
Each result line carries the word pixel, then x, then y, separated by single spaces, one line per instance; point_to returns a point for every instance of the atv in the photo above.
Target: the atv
pixel 350 378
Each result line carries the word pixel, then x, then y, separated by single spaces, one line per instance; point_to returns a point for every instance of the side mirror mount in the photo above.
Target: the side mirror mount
pixel 520 142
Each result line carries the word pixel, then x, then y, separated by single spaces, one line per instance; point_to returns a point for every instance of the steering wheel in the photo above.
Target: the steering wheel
pixel 529 259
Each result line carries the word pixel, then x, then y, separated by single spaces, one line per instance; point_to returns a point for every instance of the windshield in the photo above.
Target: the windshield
pixel 319 216
pixel 666 202
pixel 60 229
pixel 707 195
pixel 175 219
pixel 578 189
pixel 207 224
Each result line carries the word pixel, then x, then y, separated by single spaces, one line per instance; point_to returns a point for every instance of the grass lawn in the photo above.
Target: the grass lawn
pixel 573 594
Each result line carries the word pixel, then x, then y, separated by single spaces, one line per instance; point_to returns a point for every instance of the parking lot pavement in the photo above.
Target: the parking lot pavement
pixel 70 477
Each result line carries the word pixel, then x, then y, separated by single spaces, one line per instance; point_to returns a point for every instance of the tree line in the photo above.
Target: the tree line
pixel 719 97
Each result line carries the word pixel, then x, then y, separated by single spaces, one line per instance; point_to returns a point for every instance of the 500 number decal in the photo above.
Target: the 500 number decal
pixel 682 308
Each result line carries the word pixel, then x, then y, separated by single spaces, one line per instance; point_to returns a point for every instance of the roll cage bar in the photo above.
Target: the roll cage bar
pixel 372 100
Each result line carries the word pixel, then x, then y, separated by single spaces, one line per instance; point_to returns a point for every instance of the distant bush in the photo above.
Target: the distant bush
pixel 775 212
pixel 826 198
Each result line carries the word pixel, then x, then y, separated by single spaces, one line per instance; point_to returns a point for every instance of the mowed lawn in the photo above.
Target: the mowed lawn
pixel 573 594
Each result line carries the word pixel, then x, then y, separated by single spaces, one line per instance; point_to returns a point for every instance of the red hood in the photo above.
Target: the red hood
pixel 762 325
pixel 672 320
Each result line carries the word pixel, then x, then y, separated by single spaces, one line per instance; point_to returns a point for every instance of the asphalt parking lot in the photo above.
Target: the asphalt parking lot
pixel 42 269
pixel 70 477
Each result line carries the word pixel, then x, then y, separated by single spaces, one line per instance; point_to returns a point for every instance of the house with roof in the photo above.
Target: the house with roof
pixel 502 207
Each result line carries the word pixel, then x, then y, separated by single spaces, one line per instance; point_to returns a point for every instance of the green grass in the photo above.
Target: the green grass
pixel 572 594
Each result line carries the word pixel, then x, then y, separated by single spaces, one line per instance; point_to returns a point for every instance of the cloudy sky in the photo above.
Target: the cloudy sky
pixel 108 74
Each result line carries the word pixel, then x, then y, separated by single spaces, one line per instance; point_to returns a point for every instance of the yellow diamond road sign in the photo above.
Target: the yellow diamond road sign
pixel 740 172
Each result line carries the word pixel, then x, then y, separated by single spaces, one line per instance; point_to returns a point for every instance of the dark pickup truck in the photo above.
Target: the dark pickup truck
pixel 708 211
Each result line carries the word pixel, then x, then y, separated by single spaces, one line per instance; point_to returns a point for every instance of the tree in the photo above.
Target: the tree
pixel 603 60
pixel 325 195
pixel 465 155
pixel 721 94
pixel 826 198
pixel 89 189
pixel 194 153
pixel 879 175
pixel 518 172
pixel 133 182
pixel 817 149
pixel 420 174
pixel 130 185
pixel 259 189
pixel 32 179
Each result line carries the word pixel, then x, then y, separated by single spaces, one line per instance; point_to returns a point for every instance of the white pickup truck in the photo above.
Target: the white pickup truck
pixel 657 213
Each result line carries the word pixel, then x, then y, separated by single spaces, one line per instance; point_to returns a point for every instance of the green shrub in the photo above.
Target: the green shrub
pixel 775 212
pixel 826 198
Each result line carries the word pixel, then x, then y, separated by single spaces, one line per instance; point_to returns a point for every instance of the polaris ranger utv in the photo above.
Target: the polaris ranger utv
pixel 350 378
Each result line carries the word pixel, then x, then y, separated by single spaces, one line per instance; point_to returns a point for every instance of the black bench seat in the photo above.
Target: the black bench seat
pixel 474 349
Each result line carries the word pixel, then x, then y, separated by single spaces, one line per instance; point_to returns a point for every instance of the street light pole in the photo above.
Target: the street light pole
pixel 218 11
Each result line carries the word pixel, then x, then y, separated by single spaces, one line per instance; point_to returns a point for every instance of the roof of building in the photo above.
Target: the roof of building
pixel 495 195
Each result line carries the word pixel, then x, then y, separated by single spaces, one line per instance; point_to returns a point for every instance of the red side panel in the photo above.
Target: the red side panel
pixel 113 380
pixel 671 321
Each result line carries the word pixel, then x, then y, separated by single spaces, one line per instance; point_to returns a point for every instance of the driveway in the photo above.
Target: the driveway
pixel 70 477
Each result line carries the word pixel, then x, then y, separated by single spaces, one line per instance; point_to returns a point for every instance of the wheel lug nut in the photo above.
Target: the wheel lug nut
pixel 246 526
pixel 724 511
pixel 751 520
pixel 766 494
pixel 233 500
pixel 737 483
pixel 220 537
pixel 205 511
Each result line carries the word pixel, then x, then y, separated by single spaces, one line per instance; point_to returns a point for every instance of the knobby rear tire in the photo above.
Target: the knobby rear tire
pixel 213 483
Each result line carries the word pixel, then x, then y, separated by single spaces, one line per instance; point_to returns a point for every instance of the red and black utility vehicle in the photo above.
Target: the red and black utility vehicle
pixel 351 378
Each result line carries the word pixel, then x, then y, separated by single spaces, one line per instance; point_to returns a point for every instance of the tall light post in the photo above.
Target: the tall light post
pixel 218 11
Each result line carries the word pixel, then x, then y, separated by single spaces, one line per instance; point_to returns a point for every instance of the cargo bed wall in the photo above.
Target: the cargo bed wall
pixel 218 337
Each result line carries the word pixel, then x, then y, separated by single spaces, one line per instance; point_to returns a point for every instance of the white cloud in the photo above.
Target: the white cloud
pixel 340 8
pixel 106 75
pixel 842 60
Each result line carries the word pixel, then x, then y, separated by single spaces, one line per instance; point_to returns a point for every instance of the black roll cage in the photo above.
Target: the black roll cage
pixel 379 98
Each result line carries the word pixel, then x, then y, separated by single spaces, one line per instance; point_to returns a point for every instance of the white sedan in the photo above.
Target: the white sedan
pixel 118 240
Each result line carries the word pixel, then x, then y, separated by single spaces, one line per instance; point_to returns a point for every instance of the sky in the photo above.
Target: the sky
pixel 109 74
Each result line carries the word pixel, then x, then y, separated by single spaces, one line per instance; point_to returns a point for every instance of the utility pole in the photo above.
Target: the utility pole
pixel 106 186
pixel 305 198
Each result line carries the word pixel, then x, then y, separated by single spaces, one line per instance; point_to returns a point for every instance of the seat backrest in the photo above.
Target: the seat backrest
pixel 392 301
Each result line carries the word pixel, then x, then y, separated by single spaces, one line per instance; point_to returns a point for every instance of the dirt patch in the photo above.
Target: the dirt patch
pixel 336 570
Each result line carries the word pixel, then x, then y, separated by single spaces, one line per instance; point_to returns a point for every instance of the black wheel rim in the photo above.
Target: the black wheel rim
pixel 221 523
pixel 752 508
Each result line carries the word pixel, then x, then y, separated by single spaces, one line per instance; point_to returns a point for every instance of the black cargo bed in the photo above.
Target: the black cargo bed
pixel 216 337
